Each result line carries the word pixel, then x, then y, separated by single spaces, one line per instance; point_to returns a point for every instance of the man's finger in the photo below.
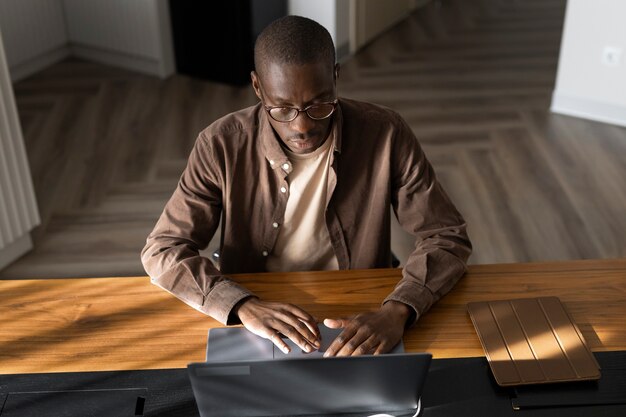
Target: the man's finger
pixel 312 326
pixel 369 346
pixel 307 345
pixel 303 322
pixel 278 341
pixel 352 344
pixel 271 335
pixel 300 332
pixel 344 337
pixel 306 318
pixel 381 349
pixel 270 319
pixel 309 331
pixel 336 323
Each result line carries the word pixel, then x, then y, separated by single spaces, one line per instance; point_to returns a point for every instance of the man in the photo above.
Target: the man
pixel 304 181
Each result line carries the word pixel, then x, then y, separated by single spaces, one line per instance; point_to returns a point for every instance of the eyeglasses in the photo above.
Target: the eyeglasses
pixel 318 111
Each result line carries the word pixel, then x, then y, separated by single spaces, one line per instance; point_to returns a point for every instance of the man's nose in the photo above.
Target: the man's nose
pixel 302 123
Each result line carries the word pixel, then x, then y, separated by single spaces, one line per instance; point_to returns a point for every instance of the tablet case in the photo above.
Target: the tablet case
pixel 532 341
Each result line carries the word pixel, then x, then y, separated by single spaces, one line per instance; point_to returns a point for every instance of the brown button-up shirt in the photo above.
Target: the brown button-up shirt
pixel 238 170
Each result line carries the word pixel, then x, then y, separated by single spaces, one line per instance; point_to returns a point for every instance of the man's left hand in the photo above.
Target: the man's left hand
pixel 369 333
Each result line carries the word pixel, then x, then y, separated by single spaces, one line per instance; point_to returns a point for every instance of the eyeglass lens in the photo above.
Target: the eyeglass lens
pixel 316 112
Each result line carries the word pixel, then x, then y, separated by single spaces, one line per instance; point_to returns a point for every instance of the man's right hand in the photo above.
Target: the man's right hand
pixel 271 319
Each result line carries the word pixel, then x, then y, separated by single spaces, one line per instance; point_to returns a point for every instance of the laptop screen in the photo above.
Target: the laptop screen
pixel 361 385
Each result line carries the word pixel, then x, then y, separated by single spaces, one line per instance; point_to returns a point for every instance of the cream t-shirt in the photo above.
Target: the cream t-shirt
pixel 303 243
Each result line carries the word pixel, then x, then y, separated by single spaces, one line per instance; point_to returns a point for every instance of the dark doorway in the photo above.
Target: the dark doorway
pixel 215 40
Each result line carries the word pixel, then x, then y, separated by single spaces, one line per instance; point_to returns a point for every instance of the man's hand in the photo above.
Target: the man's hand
pixel 269 320
pixel 369 333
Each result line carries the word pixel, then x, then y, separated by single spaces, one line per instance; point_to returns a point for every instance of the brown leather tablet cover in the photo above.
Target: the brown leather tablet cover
pixel 532 341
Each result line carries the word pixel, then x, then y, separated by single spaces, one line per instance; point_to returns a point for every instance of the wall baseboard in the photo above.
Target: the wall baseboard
pixel 588 109
pixel 14 250
pixel 26 69
pixel 137 63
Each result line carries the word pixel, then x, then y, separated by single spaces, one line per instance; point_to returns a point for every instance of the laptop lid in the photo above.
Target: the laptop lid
pixel 237 343
pixel 311 386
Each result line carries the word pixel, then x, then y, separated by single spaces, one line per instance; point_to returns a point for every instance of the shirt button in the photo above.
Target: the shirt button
pixel 285 167
pixel 275 225
pixel 265 253
pixel 283 189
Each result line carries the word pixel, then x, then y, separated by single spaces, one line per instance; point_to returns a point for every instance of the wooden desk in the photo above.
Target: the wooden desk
pixel 127 323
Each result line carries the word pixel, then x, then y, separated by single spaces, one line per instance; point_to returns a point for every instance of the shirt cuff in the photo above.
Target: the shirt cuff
pixel 223 298
pixel 419 302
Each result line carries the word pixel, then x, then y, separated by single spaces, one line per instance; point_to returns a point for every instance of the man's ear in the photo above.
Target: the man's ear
pixel 255 84
pixel 337 66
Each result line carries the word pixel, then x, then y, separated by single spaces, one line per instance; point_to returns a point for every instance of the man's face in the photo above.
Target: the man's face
pixel 299 86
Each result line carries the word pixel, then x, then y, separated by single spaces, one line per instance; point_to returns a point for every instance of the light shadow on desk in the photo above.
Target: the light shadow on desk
pixel 70 333
pixel 76 340
pixel 590 335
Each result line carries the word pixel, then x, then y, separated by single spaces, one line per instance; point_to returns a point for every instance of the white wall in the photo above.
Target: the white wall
pixel 342 28
pixel 130 34
pixel 34 35
pixel 322 11
pixel 585 86
pixel 334 15
pixel 353 23
pixel 122 32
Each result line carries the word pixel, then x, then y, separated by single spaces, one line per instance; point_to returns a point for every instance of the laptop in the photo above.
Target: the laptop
pixel 237 343
pixel 271 383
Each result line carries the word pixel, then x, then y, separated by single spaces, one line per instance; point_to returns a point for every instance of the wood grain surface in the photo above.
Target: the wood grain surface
pixel 128 323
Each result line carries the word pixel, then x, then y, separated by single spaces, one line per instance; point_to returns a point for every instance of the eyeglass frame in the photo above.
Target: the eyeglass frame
pixel 304 110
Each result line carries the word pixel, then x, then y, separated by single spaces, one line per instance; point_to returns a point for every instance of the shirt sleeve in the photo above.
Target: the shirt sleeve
pixel 423 209
pixel 186 226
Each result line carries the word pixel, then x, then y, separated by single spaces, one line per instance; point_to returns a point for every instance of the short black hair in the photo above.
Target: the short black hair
pixel 293 40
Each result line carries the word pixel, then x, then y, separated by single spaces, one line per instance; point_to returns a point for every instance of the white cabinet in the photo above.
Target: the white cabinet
pixel 130 34
pixel 18 208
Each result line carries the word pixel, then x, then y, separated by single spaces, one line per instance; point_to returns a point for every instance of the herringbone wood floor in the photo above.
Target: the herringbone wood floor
pixel 473 79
